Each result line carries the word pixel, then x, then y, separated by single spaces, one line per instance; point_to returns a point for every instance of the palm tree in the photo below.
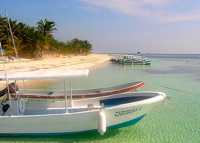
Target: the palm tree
pixel 35 41
pixel 21 31
pixel 19 44
pixel 86 46
pixel 5 35
pixel 46 27
pixel 79 47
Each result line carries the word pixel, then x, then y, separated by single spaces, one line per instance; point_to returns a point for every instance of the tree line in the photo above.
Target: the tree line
pixel 35 40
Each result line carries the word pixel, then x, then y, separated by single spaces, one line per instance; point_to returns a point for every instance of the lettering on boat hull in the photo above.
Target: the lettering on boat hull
pixel 125 112
pixel 37 100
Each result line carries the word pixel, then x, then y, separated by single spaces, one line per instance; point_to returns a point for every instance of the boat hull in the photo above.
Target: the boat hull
pixel 138 62
pixel 68 123
pixel 43 95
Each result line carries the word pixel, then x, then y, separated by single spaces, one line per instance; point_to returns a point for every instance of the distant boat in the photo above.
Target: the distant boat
pixel 136 60
pixel 73 116
pixel 131 59
pixel 53 95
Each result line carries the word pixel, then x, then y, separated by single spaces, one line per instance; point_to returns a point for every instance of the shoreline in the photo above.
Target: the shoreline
pixel 54 63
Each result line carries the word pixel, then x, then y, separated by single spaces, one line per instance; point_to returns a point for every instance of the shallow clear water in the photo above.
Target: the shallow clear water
pixel 162 123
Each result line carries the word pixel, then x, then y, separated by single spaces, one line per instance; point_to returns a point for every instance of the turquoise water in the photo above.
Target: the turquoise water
pixel 162 124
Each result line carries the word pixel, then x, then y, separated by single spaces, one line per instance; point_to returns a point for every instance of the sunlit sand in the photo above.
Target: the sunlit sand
pixel 54 63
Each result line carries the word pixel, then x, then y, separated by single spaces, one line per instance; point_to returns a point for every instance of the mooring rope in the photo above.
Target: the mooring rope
pixel 173 88
pixel 166 104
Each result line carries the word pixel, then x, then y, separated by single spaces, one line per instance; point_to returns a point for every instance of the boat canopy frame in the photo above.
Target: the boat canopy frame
pixel 54 74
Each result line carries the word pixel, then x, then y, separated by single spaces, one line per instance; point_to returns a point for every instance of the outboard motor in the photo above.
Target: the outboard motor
pixel 5 108
pixel 18 107
pixel 12 88
pixel 18 103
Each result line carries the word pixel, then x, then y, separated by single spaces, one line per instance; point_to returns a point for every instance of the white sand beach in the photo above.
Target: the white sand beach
pixel 55 63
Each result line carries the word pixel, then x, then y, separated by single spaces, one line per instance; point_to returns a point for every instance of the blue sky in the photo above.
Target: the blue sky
pixel 117 26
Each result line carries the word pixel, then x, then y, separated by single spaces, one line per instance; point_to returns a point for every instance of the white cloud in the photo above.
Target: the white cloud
pixel 156 10
pixel 156 2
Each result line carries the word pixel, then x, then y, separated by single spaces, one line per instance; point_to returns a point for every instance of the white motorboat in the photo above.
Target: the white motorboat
pixel 71 116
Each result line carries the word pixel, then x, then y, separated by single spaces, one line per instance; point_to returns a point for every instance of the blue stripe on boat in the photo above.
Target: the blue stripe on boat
pixel 131 122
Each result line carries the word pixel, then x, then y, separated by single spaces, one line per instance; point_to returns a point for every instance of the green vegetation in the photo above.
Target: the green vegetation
pixel 34 41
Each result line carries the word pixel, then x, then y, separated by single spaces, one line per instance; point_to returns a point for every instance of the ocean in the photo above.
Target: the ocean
pixel 177 121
